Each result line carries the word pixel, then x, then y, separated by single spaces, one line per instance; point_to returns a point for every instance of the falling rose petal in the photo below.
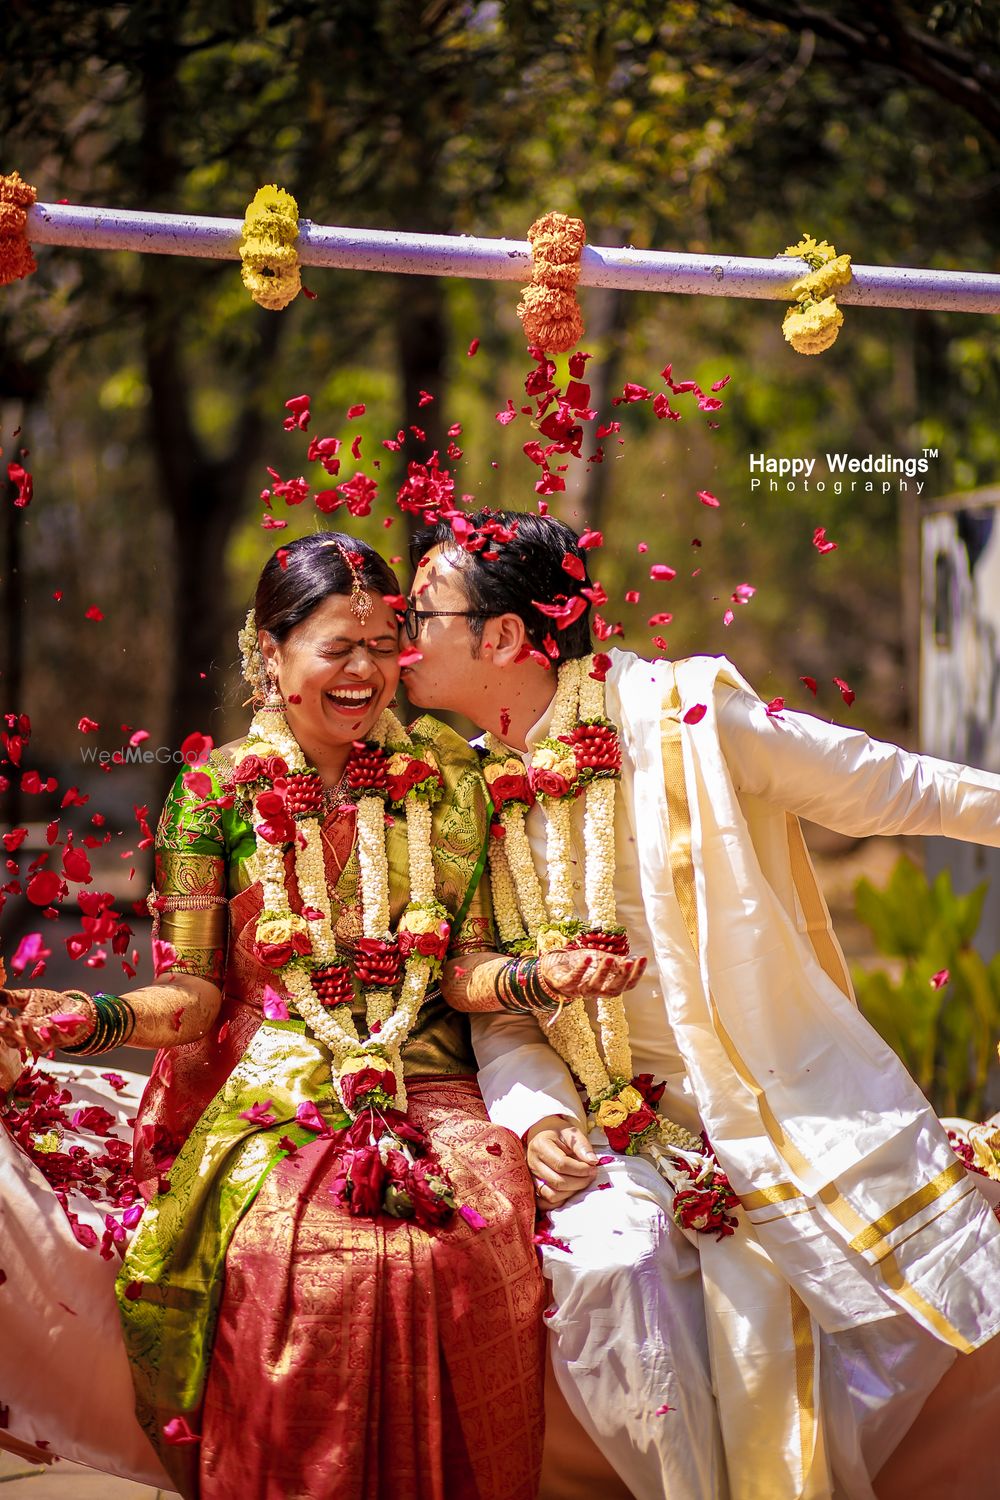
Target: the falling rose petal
pixel 659 643
pixel 356 411
pixel 601 666
pixel 93 613
pixel 810 683
pixel 275 1008
pixel 662 572
pixel 602 1187
pixel 196 748
pixel 12 841
pixel 550 1312
pixel 410 656
pixel 259 1113
pixel 728 617
pixel 30 950
pixel 472 1218
pixel 20 477
pixel 494 1148
pixel 574 566
pixel 820 542
pixel 298 406
pixel 847 693
pixel 707 498
pixel 133 1290
pixel 662 1410
pixel 309 1117
pixel 743 593
pixel 631 596
pixel 136 739
pixel 87 726
pixel 695 714
pixel 940 979
pixel 591 539
pixel 44 887
pixel 472 348
pixel 177 1432
pixel 198 783
pixel 773 709
pixel 661 619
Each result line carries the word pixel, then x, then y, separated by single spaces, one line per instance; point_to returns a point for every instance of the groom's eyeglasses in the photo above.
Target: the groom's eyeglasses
pixel 412 617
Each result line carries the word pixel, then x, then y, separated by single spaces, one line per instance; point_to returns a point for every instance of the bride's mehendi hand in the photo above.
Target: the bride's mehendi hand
pixel 38 1020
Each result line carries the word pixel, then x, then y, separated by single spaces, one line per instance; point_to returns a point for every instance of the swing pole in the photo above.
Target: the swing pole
pixel 508 260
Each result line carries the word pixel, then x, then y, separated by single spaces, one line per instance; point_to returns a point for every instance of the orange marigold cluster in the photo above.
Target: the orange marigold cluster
pixel 16 259
pixel 549 311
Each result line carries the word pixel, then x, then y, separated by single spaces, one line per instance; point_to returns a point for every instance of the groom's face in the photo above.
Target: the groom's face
pixel 454 672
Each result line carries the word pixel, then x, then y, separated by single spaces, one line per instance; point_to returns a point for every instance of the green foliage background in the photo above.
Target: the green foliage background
pixel 150 390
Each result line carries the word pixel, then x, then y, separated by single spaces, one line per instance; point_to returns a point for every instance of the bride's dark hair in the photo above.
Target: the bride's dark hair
pixel 314 568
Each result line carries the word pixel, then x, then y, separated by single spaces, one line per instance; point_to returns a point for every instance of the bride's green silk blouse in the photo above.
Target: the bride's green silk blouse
pixel 207 898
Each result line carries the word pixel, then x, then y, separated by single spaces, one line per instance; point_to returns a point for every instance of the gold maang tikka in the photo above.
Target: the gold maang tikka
pixel 360 600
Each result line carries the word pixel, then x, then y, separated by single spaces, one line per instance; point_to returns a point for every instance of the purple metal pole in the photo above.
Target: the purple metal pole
pixel 508 260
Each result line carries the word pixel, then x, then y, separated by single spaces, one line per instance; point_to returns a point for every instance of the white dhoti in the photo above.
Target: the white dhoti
pixel 65 1383
pixel 629 1336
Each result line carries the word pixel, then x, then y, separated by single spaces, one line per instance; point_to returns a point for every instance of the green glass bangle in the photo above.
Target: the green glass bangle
pixel 521 989
pixel 113 1028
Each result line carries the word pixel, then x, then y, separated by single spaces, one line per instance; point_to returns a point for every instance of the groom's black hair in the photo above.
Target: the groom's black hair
pixel 515 562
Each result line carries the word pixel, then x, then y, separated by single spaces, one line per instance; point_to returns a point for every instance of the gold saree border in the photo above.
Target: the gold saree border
pixel 818 930
pixel 682 873
pixel 679 836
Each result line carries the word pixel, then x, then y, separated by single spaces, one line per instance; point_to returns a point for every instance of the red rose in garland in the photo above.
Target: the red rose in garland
pixel 250 769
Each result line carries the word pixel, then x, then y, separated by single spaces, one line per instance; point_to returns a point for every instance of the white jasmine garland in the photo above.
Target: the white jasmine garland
pixel 705 1199
pixel 391 1015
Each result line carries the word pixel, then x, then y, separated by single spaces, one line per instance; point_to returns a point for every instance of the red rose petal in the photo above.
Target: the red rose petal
pixel 695 714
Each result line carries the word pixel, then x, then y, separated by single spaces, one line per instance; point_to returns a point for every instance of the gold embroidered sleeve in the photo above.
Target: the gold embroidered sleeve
pixel 188 900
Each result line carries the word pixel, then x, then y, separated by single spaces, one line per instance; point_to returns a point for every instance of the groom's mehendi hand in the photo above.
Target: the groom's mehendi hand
pixel 561 1158
pixel 576 972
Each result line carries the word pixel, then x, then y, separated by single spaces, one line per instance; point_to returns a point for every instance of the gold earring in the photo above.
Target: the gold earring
pixel 273 700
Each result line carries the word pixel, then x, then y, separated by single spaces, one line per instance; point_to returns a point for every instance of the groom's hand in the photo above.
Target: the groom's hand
pixel 561 1158
pixel 576 972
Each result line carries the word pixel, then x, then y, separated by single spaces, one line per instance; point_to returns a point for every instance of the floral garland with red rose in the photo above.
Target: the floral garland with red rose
pixel 388 1164
pixel 582 756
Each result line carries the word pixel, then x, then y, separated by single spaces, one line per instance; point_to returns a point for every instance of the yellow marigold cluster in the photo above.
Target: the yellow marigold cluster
pixel 549 311
pixel 16 259
pixel 813 324
pixel 268 248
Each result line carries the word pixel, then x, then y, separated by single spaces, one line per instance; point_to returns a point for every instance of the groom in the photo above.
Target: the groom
pixel 790 1357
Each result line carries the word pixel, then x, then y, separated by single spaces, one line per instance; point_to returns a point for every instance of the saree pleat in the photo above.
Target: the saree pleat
pixel 389 1361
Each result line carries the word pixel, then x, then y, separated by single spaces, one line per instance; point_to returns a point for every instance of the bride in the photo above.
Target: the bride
pixel 326 1273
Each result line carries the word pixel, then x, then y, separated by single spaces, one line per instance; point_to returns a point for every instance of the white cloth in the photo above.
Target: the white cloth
pixel 64 1375
pixel 822 1114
